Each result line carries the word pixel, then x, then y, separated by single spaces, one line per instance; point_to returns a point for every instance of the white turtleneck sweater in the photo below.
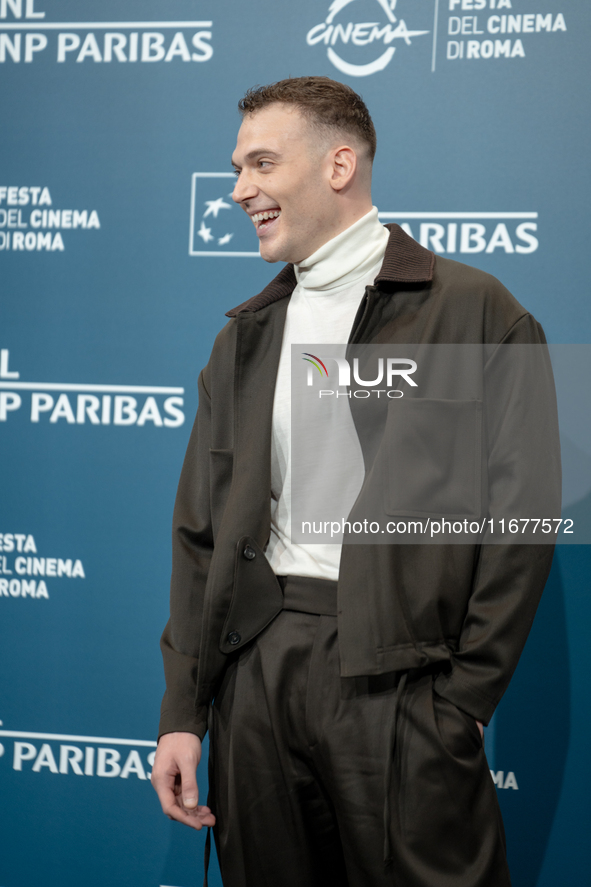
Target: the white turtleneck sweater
pixel 330 286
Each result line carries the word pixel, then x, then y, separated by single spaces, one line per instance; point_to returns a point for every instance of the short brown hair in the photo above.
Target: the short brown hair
pixel 326 103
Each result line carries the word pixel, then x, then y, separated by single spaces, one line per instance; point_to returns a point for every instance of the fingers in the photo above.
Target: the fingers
pixel 197 818
pixel 175 782
pixel 171 801
pixel 189 793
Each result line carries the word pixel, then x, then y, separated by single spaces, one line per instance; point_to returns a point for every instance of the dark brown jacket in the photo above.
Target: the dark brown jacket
pixel 399 606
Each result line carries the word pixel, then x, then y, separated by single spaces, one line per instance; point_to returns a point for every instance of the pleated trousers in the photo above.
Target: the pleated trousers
pixel 371 781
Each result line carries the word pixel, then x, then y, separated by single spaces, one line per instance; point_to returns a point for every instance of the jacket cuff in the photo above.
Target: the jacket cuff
pixel 179 721
pixel 465 697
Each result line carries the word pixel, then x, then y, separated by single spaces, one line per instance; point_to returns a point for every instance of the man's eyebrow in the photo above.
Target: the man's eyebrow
pixel 257 152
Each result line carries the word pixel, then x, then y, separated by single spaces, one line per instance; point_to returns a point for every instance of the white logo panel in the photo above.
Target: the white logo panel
pixel 218 226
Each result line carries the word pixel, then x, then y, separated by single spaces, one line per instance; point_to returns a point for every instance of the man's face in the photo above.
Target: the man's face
pixel 284 173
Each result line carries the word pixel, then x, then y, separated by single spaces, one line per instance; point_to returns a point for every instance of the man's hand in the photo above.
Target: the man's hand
pixel 174 778
pixel 480 727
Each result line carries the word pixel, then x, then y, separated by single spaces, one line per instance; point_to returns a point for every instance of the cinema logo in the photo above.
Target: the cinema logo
pixel 387 369
pixel 358 39
pixel 24 34
pixel 469 233
pixel 80 404
pixel 68 755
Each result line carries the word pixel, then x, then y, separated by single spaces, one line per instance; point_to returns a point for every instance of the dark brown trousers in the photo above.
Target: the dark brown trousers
pixel 318 780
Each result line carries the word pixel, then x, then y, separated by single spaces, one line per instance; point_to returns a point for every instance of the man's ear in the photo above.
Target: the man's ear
pixel 344 167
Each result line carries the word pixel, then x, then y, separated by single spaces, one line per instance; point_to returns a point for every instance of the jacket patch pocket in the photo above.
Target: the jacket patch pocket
pixel 433 458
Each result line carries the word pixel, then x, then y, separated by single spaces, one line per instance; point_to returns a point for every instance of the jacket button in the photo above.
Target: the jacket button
pixel 234 638
pixel 249 553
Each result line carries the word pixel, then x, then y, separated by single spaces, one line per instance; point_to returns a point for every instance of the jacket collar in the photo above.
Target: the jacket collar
pixel 405 261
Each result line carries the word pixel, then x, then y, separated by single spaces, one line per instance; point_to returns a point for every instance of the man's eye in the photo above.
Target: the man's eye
pixel 236 172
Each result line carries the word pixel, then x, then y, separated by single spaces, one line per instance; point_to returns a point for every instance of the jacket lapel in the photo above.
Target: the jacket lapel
pixel 258 348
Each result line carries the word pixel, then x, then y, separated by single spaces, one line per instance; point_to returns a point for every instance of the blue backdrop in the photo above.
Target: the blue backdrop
pixel 120 251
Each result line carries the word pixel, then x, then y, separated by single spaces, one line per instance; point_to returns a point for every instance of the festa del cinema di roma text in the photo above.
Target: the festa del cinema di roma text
pixel 24 574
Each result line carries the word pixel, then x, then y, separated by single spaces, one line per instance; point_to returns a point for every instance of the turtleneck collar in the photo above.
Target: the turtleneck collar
pixel 346 258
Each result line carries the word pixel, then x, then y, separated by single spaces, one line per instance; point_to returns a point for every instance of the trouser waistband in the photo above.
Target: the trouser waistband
pixel 309 595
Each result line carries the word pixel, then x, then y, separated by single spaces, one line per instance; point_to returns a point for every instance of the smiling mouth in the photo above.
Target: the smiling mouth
pixel 264 219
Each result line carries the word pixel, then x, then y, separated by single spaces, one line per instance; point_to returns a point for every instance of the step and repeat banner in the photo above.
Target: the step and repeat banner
pixel 120 252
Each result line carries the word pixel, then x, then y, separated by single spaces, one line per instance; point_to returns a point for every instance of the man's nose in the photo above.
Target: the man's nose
pixel 244 189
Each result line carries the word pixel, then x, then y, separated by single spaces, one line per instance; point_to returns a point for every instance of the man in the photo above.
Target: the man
pixel 344 686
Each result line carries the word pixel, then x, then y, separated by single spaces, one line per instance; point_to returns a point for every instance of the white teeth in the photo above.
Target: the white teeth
pixel 262 217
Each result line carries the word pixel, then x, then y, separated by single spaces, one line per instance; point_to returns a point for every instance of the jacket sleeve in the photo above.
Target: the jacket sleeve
pixel 192 549
pixel 524 479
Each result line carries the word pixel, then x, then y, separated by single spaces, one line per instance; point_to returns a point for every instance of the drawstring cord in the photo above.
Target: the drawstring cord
pixel 206 855
pixel 391 733
pixel 207 850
